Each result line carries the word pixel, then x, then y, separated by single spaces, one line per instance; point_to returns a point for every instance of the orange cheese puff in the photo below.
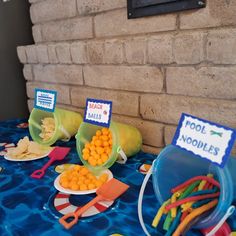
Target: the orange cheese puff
pixel 98 143
pixel 93 162
pixel 93 153
pixel 105 131
pixel 86 156
pixel 110 142
pixel 98 133
pixel 85 150
pixel 104 177
pixel 91 186
pixel 99 162
pixel 104 157
pixel 98 183
pixel 108 150
pixel 96 156
pixel 84 171
pixel 100 150
pixel 87 181
pixel 75 187
pixel 77 168
pixel 64 184
pixel 83 187
pixel 104 137
pixel 105 144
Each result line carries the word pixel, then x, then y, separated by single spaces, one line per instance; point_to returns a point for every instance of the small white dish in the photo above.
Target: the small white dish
pixel 26 158
pixel 69 191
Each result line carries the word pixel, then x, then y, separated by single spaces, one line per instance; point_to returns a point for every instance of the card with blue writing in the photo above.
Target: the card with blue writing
pixel 45 99
pixel 98 112
pixel 204 138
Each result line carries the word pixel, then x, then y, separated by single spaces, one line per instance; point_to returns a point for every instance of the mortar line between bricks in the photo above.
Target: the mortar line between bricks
pixel 83 75
pixel 70 97
pixel 77 8
pixel 201 64
pixel 93 27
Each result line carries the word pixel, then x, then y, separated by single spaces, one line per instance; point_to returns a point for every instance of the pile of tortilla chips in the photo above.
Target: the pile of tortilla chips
pixel 26 149
pixel 48 128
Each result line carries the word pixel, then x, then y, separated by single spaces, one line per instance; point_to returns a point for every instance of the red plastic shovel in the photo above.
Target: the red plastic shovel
pixel 108 191
pixel 57 154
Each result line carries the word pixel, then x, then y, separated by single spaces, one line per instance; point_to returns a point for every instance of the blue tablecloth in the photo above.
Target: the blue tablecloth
pixel 27 205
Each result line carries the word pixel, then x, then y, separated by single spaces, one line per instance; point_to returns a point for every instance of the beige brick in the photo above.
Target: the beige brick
pixel 160 49
pixel 77 28
pixel 27 71
pixel 150 149
pixel 30 104
pixel 116 23
pixel 37 34
pixel 216 13
pixel 135 51
pixel 67 74
pixel 63 92
pixel 169 132
pixel 215 82
pixel 135 78
pixel 168 109
pixel 42 54
pixel 21 52
pixel 52 10
pixel 96 52
pixel 113 52
pixel 152 132
pixel 63 53
pixel 79 52
pixel 221 46
pixel 86 7
pixel 52 53
pixel 188 48
pixel 71 108
pixel 31 54
pixel 80 94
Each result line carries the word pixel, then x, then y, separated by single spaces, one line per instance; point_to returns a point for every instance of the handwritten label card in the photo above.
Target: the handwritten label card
pixel 98 112
pixel 45 99
pixel 205 139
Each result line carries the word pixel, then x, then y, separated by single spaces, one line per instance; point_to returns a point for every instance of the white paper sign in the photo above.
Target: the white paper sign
pixel 204 139
pixel 98 112
pixel 45 99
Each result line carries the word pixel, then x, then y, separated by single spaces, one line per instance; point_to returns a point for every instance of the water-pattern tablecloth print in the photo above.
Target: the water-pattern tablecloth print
pixel 27 204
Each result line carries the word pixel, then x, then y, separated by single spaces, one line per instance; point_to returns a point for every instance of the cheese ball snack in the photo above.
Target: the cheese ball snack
pixel 79 178
pixel 97 152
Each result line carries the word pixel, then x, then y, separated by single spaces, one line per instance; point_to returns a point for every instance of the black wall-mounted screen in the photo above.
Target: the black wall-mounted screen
pixel 140 8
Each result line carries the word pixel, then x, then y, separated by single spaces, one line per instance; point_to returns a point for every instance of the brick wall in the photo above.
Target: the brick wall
pixel 152 68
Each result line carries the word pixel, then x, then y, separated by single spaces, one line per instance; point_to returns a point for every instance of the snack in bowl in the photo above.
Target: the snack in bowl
pixel 48 128
pixel 26 149
pixel 79 178
pixel 97 152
